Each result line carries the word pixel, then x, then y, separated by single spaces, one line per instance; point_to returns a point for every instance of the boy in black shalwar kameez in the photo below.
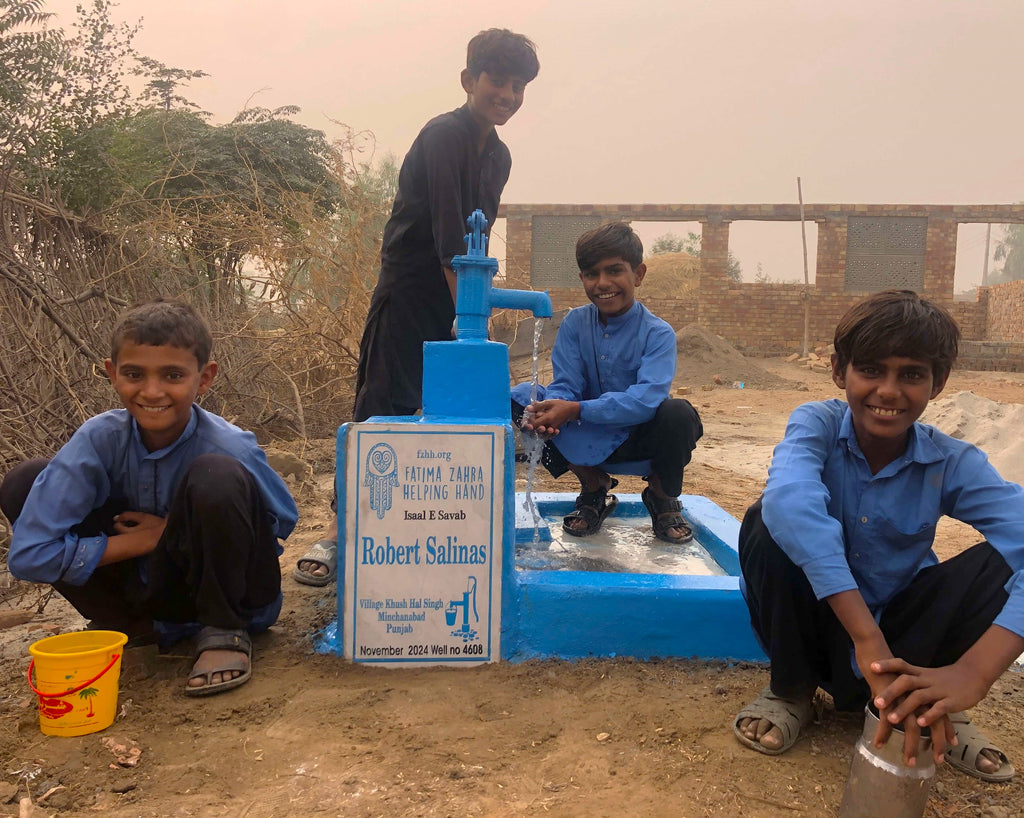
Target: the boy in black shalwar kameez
pixel 456 165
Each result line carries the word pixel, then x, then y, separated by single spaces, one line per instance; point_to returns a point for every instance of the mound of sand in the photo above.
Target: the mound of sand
pixel 703 355
pixel 993 427
pixel 671 275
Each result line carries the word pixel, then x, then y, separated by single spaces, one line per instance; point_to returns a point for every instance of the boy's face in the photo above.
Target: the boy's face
pixel 157 385
pixel 493 99
pixel 885 398
pixel 610 283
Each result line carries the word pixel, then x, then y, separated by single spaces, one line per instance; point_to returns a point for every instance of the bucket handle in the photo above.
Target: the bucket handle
pixel 82 686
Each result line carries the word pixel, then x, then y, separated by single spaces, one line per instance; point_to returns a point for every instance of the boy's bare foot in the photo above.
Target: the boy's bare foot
pixel 319 566
pixel 771 724
pixel 211 664
pixel 762 731
pixel 988 761
pixel 976 754
pixel 314 568
pixel 223 661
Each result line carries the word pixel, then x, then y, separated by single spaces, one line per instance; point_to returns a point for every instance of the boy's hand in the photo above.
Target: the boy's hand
pixel 933 693
pixel 871 650
pixel 137 522
pixel 869 653
pixel 548 416
pixel 884 679
pixel 137 533
pixel 930 692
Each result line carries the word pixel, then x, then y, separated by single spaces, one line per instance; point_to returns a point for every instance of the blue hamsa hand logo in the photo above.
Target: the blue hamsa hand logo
pixel 381 476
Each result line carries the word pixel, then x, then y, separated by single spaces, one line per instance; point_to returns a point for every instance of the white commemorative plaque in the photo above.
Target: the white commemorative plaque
pixel 423 533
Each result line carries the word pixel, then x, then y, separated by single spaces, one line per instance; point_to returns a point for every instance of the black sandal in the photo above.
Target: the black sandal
pixel 665 515
pixel 591 507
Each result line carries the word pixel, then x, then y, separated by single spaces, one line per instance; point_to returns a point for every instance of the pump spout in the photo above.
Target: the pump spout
pixel 447 391
pixel 539 303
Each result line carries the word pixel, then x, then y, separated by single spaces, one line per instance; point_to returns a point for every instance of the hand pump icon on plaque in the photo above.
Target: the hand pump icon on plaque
pixel 452 611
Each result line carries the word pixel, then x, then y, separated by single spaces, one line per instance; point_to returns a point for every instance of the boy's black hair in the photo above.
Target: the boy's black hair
pixel 615 239
pixel 901 323
pixel 163 322
pixel 502 53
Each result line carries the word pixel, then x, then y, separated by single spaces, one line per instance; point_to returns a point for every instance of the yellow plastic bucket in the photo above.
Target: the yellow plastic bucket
pixel 76 680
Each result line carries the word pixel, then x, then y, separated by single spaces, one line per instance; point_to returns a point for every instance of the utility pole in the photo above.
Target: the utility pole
pixel 806 295
pixel 984 270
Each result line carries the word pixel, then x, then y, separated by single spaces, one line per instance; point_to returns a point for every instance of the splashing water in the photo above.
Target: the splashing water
pixel 532 444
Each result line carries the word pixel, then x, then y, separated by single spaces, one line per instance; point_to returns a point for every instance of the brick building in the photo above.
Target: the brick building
pixel 861 249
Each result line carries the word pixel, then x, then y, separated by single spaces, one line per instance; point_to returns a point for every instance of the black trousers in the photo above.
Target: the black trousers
pixel 667 440
pixel 931 623
pixel 408 308
pixel 216 562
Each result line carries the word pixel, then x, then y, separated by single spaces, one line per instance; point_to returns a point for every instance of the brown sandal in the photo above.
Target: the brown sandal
pixel 592 507
pixel 666 515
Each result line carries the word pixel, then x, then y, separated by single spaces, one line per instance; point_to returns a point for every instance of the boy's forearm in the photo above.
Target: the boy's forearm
pixel 988 658
pixel 869 643
pixel 453 283
pixel 122 547
pixel 853 614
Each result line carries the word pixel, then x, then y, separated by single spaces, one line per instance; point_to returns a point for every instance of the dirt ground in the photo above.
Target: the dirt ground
pixel 311 734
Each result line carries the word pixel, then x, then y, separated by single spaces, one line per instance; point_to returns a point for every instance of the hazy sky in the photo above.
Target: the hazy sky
pixel 662 101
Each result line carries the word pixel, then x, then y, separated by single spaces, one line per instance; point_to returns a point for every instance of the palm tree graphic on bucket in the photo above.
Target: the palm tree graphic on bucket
pixel 87 695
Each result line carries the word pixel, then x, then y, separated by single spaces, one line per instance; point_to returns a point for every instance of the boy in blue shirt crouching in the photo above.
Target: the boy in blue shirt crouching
pixel 844 590
pixel 161 510
pixel 613 363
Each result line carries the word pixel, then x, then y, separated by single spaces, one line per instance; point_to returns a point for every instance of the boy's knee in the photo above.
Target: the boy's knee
pixel 756 545
pixel 679 414
pixel 212 477
pixel 16 485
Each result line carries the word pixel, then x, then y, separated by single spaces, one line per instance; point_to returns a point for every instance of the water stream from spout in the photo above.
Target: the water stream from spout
pixel 532 443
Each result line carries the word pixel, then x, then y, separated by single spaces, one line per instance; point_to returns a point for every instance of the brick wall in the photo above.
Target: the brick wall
pixel 1005 312
pixel 768 319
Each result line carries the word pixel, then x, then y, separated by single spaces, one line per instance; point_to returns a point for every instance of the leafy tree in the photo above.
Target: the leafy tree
pixel 212 195
pixel 164 82
pixel 1010 251
pixel 30 56
pixel 671 243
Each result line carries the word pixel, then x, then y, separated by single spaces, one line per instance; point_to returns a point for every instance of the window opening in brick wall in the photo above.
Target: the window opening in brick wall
pixel 970 258
pixel 668 237
pixel 673 267
pixel 772 252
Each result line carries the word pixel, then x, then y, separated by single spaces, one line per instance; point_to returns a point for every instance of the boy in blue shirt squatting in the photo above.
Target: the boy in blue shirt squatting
pixel 161 510
pixel 457 164
pixel 613 363
pixel 844 590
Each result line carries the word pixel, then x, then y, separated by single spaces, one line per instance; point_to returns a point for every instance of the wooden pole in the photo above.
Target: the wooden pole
pixel 984 270
pixel 806 295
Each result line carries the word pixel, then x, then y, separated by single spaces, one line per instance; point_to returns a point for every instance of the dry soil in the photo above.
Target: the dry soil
pixel 312 735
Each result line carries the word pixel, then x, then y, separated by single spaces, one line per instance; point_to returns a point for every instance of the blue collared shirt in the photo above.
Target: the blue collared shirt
pixel 106 459
pixel 620 373
pixel 850 529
